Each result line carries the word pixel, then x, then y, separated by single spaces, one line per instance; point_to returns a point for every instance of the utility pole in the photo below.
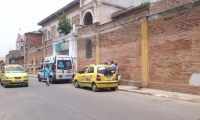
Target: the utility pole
pixel 24 46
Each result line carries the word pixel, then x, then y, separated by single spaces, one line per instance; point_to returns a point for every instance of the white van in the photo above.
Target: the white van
pixel 62 67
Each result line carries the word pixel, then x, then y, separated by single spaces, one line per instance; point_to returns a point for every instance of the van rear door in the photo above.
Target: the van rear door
pixel 64 67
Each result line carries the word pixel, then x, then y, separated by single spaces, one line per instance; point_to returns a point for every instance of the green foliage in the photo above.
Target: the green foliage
pixel 145 5
pixel 64 25
pixel 1 61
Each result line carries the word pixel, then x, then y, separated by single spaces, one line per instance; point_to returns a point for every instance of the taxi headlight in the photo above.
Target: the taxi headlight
pixel 26 76
pixel 8 77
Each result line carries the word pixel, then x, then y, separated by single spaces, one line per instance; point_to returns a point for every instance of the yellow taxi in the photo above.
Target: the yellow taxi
pixel 96 76
pixel 12 75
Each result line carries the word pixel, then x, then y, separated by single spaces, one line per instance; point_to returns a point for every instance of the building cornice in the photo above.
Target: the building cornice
pixel 53 15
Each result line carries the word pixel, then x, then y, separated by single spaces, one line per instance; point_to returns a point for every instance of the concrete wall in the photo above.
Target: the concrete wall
pixel 105 17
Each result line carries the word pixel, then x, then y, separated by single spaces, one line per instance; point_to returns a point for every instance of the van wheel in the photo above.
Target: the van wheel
pixel 51 80
pixel 94 87
pixel 76 84
pixel 39 79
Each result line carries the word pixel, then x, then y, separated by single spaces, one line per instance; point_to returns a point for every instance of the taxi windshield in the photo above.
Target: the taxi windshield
pixel 14 70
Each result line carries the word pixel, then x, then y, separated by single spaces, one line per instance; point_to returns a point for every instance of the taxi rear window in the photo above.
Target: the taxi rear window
pixel 105 70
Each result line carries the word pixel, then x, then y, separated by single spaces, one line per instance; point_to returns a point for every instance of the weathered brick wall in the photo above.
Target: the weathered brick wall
pixel 53 32
pixel 174 47
pixel 124 47
pixel 164 5
pixel 82 60
pixel 120 41
pixel 29 62
pixel 34 40
pixel 76 19
pixel 49 51
pixel 44 35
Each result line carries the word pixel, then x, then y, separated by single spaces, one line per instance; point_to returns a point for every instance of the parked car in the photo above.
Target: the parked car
pixel 62 67
pixel 96 76
pixel 12 75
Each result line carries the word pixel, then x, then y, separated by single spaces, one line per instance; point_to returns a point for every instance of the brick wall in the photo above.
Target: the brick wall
pixel 174 35
pixel 49 51
pixel 34 40
pixel 82 60
pixel 124 47
pixel 76 19
pixel 53 32
pixel 174 50
pixel 29 61
pixel 44 35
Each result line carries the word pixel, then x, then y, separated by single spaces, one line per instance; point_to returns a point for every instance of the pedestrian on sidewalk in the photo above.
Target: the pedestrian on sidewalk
pixel 113 66
pixel 105 63
pixel 47 71
pixel 117 73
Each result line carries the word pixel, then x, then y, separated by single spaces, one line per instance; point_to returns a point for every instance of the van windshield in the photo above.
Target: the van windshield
pixel 105 70
pixel 14 70
pixel 64 64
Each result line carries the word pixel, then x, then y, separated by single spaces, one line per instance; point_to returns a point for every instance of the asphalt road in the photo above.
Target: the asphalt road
pixel 61 101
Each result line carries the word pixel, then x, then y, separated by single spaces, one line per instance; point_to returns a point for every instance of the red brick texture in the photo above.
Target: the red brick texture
pixel 34 40
pixel 174 45
pixel 76 19
pixel 82 60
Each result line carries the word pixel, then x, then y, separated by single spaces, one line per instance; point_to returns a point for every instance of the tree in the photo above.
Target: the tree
pixel 64 25
pixel 1 61
pixel 145 5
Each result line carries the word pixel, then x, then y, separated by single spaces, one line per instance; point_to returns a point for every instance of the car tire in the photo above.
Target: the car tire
pixel 113 89
pixel 39 79
pixel 94 87
pixel 1 82
pixel 76 85
pixel 4 85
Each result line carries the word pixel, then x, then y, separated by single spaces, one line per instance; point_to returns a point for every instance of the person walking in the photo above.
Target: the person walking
pixel 47 71
pixel 113 66
pixel 117 73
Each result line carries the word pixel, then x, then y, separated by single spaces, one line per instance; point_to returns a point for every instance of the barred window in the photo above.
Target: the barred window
pixel 88 49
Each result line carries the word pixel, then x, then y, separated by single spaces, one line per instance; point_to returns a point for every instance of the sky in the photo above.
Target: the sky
pixel 24 14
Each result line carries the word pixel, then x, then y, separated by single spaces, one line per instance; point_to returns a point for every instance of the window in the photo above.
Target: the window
pixel 88 49
pixel 84 70
pixel 88 19
pixel 64 64
pixel 91 70
pixel 49 35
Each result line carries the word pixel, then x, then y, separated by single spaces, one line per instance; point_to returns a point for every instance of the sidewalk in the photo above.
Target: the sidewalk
pixel 157 93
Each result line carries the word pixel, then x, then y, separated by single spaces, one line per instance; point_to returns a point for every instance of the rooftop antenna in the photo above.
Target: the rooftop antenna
pixel 19 30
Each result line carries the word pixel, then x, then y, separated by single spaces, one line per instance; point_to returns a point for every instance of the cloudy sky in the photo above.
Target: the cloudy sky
pixel 24 14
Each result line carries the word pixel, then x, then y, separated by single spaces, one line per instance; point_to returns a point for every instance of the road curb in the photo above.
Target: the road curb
pixel 193 100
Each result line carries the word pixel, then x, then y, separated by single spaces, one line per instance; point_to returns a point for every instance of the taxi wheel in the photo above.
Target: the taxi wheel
pixel 39 79
pixel 4 85
pixel 26 85
pixel 94 87
pixel 113 89
pixel 1 82
pixel 76 84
